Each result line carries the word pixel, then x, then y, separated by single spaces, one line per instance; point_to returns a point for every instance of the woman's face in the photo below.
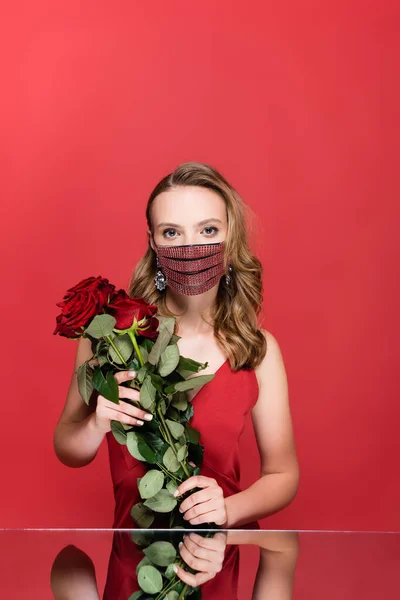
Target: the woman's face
pixel 188 215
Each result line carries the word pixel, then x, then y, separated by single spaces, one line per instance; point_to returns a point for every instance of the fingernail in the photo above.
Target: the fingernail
pixel 131 373
pixel 139 422
pixel 148 417
pixel 175 568
pixel 180 544
pixel 176 493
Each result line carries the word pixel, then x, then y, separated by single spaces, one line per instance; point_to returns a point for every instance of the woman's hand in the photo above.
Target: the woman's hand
pixel 107 411
pixel 205 555
pixel 206 506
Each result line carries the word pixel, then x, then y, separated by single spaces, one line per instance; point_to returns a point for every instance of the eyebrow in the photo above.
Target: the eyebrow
pixel 199 223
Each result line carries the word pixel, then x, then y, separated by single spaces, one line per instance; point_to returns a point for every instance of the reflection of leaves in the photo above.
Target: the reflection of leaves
pixel 161 553
pixel 150 579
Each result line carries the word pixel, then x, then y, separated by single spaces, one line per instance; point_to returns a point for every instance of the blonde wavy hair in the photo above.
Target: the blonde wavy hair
pixel 238 305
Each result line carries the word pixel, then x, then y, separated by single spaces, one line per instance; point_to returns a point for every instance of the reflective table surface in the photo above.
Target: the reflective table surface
pixel 234 564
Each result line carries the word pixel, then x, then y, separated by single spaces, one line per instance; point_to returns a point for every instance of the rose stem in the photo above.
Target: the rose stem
pixel 116 350
pixel 171 443
pixel 135 345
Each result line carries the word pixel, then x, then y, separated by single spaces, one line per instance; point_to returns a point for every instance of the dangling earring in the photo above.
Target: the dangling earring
pixel 160 280
pixel 228 277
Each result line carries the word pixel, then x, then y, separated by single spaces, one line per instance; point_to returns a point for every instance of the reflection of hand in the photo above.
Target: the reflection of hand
pixel 205 555
pixel 205 506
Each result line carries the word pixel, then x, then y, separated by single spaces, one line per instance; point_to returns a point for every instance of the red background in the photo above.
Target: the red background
pixel 296 103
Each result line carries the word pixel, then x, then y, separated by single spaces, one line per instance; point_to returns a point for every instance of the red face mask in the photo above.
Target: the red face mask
pixel 191 269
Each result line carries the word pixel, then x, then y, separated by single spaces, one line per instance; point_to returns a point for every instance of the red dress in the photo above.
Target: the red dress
pixel 220 410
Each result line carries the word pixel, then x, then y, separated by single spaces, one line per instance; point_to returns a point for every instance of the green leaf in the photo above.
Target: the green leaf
pixel 85 381
pixel 125 347
pixel 182 453
pixel 193 434
pixel 188 366
pixel 168 360
pixel 169 571
pixel 132 445
pixel 136 595
pixel 151 483
pixel 166 330
pixel 179 401
pixel 142 515
pixel 163 406
pixel 150 579
pixel 118 431
pixel 147 393
pixel 101 326
pixel 172 595
pixel 169 460
pixel 161 553
pixel 140 539
pixel 162 502
pixel 177 429
pixel 142 372
pixel 193 382
pixel 171 487
pixel 106 387
pixel 148 453
pixel 142 563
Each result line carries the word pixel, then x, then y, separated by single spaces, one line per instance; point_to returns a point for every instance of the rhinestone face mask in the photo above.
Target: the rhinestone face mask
pixel 191 269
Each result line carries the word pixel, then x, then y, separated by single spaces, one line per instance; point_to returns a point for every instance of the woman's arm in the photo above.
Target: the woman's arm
pixel 273 429
pixel 76 438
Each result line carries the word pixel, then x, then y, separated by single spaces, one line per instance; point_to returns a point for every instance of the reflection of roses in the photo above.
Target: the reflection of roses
pixel 126 310
pixel 81 303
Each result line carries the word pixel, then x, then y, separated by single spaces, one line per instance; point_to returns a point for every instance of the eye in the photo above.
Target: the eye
pixel 210 227
pixel 166 231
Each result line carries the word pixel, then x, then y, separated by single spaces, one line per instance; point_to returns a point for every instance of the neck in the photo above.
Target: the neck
pixel 194 312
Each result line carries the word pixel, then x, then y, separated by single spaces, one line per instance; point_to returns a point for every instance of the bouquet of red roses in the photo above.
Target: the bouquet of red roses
pixel 127 334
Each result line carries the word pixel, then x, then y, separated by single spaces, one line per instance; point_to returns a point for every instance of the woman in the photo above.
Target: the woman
pixel 196 218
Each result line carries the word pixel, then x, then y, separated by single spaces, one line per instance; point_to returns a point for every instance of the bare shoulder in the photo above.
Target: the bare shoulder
pixel 272 364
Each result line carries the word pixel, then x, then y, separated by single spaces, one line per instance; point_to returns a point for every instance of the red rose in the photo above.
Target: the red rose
pixel 80 304
pixel 125 310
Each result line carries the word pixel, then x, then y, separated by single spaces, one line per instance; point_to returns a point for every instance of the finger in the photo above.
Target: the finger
pixel 197 550
pixel 215 543
pixel 196 481
pixel 128 409
pixel 191 579
pixel 217 516
pixel 122 376
pixel 196 498
pixel 125 392
pixel 115 415
pixel 201 510
pixel 197 564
